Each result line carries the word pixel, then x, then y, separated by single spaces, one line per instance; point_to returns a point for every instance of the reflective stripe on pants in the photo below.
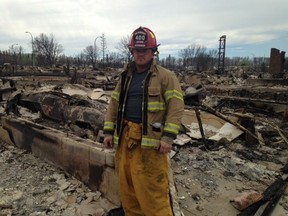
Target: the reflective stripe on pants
pixel 143 176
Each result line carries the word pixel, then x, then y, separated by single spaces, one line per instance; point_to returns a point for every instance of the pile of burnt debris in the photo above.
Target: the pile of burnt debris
pixel 31 186
pixel 230 124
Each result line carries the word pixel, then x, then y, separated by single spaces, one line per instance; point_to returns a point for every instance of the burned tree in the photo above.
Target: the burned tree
pixel 47 49
pixel 89 55
pixel 122 46
pixel 196 57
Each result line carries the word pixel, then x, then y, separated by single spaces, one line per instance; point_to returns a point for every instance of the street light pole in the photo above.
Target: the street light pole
pixel 14 62
pixel 32 48
pixel 16 44
pixel 95 48
pixel 12 47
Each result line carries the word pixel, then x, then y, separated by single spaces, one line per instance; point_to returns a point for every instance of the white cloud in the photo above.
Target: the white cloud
pixel 177 24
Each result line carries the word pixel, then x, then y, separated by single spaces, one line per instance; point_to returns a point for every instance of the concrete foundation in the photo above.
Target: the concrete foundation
pixel 86 160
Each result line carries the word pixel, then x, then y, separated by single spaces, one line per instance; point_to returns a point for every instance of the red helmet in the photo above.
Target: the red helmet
pixel 143 38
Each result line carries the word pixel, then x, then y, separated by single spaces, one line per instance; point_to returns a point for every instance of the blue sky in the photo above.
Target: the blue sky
pixel 252 27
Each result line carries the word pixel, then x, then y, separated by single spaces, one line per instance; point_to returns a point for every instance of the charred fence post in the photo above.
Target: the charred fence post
pixel 197 111
pixel 249 123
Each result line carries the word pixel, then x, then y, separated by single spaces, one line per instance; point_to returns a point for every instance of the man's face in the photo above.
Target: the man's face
pixel 143 57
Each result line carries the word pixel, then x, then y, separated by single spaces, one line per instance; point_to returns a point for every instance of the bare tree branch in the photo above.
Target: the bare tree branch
pixel 47 48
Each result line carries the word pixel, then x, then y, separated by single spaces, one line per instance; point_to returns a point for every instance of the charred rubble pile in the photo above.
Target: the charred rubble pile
pixel 238 127
pixel 229 128
pixel 68 107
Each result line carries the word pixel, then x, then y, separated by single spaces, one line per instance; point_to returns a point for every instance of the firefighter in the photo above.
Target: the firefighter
pixel 142 120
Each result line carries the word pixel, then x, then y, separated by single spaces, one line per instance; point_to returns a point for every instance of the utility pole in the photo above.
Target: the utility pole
pixel 103 47
pixel 221 53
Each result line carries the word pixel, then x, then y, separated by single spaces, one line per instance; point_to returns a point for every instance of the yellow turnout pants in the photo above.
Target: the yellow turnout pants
pixel 143 176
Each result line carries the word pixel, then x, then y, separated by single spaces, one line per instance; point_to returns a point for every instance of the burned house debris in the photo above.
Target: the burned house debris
pixel 230 158
pixel 277 60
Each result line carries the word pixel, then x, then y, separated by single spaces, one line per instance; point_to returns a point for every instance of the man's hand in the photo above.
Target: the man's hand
pixel 108 141
pixel 165 147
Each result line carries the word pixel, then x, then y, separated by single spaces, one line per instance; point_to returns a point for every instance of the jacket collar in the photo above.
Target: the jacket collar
pixel 129 68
